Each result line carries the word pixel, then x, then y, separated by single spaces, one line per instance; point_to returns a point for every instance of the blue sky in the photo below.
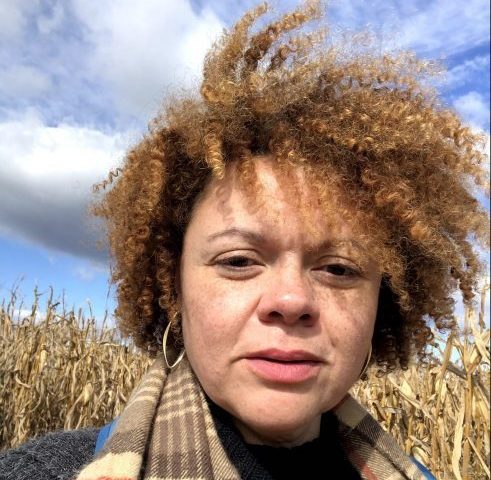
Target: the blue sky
pixel 79 80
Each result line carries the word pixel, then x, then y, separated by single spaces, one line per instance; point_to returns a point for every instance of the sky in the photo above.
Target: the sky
pixel 80 79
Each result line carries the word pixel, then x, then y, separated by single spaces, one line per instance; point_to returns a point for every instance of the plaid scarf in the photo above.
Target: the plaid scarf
pixel 166 431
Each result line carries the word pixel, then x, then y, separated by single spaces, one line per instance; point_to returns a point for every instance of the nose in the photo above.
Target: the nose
pixel 288 297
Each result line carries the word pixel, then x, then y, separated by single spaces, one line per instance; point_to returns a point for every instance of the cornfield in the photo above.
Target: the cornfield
pixel 65 371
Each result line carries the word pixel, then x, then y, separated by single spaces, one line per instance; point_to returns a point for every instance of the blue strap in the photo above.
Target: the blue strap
pixel 427 474
pixel 103 435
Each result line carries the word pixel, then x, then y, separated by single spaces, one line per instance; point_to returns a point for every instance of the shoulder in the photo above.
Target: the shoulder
pixel 58 455
pixel 375 448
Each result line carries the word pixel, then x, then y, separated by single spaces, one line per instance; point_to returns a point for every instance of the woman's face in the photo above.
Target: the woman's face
pixel 277 321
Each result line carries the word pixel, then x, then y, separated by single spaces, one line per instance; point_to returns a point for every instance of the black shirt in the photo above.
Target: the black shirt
pixel 322 457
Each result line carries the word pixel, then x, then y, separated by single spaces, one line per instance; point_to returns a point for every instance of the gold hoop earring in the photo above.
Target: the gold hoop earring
pixel 367 361
pixel 164 348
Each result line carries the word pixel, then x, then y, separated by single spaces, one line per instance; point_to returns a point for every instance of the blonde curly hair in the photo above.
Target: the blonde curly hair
pixel 368 124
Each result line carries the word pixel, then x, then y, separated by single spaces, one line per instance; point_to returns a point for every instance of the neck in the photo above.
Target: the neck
pixel 279 437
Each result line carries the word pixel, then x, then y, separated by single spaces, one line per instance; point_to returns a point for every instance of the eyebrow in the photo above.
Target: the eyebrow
pixel 328 244
pixel 258 238
pixel 250 235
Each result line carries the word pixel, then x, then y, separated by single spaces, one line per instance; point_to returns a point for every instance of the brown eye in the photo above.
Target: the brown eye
pixel 340 270
pixel 237 261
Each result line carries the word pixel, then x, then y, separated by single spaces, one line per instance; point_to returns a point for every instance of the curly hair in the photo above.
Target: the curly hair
pixel 367 127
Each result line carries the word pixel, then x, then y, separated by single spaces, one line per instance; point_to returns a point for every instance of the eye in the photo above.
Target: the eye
pixel 236 262
pixel 238 267
pixel 339 273
pixel 340 270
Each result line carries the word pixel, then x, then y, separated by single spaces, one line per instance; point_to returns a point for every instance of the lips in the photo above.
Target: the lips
pixel 287 367
pixel 277 355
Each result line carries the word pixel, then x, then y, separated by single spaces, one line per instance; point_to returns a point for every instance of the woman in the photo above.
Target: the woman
pixel 311 212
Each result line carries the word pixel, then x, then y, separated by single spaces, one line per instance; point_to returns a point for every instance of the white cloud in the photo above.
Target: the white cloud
pixel 474 108
pixel 17 14
pixel 447 27
pixel 24 81
pixel 48 23
pixel 88 271
pixel 24 313
pixel 45 178
pixel 142 48
pixel 133 51
pixel 14 17
pixel 434 27
pixel 65 152
pixel 459 75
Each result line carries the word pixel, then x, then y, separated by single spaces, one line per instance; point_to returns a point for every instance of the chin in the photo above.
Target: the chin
pixel 284 422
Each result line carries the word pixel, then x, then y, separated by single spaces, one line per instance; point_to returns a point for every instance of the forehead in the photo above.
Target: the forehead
pixel 277 202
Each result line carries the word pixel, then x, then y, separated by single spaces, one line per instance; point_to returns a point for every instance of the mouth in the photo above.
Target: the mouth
pixel 286 367
pixel 272 360
pixel 285 356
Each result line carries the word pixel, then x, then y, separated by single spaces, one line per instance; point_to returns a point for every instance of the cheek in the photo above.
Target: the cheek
pixel 216 302
pixel 351 309
pixel 349 320
pixel 214 315
pixel 212 326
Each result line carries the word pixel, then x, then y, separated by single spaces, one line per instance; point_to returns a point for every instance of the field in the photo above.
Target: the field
pixel 63 372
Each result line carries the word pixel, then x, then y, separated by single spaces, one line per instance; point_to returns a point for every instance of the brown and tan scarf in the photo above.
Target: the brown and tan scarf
pixel 167 432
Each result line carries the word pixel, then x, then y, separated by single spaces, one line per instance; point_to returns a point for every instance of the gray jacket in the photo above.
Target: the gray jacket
pixel 56 456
